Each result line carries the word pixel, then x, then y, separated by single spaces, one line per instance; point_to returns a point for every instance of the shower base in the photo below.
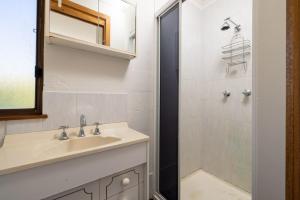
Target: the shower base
pixel 203 186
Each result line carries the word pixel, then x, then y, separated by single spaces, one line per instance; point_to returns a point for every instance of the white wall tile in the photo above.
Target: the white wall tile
pixel 115 108
pixel 90 105
pixel 24 126
pixel 61 110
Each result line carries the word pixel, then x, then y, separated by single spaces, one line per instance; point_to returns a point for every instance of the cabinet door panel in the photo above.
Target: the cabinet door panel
pixel 86 192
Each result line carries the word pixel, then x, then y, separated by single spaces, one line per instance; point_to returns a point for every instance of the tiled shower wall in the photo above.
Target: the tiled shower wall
pixel 216 132
pixel 190 116
pixel 227 140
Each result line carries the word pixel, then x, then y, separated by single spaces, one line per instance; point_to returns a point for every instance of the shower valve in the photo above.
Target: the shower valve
pixel 226 93
pixel 247 93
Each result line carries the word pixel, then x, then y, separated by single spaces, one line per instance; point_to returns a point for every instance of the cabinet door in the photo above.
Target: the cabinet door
pixel 86 192
pixel 121 182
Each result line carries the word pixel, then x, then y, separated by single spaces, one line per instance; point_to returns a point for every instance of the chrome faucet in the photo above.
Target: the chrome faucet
pixel 82 124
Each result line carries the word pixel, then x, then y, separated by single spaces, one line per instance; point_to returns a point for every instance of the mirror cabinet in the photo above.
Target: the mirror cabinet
pixel 104 26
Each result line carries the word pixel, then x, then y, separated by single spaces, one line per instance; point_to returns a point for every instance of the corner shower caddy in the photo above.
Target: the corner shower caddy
pixel 236 52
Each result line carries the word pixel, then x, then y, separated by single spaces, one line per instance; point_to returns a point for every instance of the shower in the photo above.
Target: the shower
pixel 215 134
pixel 226 25
pixel 204 143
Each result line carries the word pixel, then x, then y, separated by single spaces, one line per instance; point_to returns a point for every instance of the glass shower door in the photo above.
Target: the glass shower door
pixel 168 113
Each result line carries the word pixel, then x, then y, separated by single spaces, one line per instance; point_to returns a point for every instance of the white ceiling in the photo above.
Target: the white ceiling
pixel 202 3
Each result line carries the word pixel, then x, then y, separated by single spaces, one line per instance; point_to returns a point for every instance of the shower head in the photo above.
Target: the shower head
pixel 226 25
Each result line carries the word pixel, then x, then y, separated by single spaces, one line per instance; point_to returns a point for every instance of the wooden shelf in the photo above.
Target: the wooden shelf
pixel 87 46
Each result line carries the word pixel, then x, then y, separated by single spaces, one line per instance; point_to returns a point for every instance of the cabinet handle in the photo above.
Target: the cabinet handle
pixel 125 181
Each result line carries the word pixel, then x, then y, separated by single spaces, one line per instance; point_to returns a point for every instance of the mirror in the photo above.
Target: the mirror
pixel 111 23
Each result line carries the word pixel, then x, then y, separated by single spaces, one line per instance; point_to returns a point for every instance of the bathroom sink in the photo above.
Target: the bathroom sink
pixel 89 142
pixel 79 144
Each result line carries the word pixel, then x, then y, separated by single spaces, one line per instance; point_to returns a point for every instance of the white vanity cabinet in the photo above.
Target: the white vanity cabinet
pixel 125 185
pixel 44 167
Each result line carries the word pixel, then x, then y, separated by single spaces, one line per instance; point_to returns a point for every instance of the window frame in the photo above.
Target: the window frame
pixel 37 111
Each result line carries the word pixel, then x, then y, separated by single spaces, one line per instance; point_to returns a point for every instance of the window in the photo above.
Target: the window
pixel 21 63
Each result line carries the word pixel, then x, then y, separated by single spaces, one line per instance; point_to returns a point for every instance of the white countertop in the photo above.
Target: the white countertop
pixel 25 151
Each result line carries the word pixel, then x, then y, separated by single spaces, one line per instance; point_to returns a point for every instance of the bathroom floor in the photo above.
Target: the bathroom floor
pixel 204 186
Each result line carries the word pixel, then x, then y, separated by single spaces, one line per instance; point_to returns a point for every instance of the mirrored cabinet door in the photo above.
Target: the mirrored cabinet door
pixel 110 23
pixel 122 23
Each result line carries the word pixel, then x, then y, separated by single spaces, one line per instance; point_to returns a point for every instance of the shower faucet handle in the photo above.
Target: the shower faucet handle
pixel 226 93
pixel 247 93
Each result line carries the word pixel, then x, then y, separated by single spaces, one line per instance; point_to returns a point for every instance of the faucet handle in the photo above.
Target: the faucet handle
pixel 247 93
pixel 97 130
pixel 63 135
pixel 64 127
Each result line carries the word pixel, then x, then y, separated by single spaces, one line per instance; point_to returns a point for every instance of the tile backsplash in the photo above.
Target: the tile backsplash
pixel 65 108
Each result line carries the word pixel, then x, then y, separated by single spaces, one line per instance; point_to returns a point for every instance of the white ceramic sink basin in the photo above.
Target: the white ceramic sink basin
pixel 89 142
pixel 78 144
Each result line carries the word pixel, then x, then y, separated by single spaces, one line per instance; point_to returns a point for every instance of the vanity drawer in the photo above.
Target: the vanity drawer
pixel 121 182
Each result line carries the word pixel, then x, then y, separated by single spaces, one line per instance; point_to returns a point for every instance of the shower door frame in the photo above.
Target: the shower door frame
pixel 168 6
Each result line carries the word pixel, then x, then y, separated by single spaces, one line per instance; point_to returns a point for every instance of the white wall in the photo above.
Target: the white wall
pixel 270 93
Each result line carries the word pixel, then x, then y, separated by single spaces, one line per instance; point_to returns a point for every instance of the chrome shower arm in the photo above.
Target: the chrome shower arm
pixel 237 26
pixel 230 20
